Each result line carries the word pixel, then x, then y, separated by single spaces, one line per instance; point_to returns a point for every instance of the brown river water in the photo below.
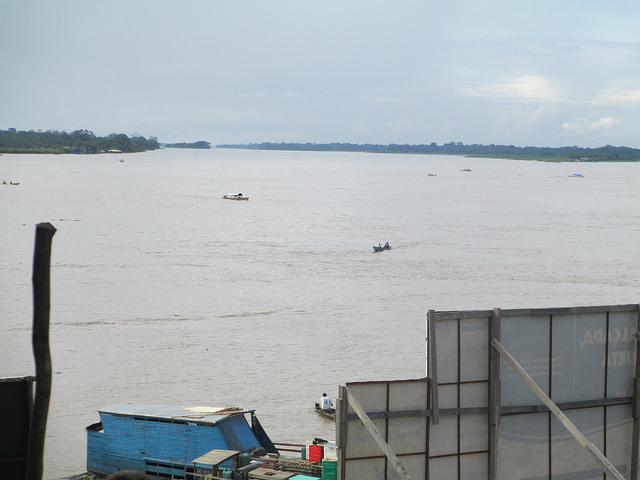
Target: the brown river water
pixel 163 292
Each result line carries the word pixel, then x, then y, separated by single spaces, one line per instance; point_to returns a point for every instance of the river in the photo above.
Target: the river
pixel 163 292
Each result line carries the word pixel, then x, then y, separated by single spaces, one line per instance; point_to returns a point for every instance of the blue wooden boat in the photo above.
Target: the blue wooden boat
pixel 164 440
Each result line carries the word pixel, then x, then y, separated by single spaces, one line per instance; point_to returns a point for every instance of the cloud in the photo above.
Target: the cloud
pixel 581 125
pixel 278 95
pixel 523 87
pixel 329 71
pixel 619 97
pixel 389 100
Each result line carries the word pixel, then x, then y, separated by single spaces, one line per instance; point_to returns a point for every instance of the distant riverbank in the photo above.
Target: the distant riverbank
pixel 607 153
pixel 79 142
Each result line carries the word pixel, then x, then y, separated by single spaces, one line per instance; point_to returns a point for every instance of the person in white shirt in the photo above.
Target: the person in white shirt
pixel 325 402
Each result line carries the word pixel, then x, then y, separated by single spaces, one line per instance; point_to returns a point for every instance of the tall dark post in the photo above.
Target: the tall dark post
pixel 495 390
pixel 41 352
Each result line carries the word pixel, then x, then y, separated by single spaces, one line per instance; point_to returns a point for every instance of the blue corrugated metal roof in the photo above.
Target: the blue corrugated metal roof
pixel 183 412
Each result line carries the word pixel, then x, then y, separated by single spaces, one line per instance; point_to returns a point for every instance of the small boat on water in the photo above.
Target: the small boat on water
pixel 380 248
pixel 331 413
pixel 238 196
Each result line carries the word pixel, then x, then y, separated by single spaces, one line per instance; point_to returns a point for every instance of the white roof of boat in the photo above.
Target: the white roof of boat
pixel 184 412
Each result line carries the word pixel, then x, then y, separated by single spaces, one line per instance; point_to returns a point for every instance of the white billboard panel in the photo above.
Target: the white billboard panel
pixel 525 438
pixel 474 347
pixel 583 358
pixel 479 418
pixel 621 353
pixel 448 355
pixel 398 410
pixel 577 366
pixel 474 467
pixel 527 339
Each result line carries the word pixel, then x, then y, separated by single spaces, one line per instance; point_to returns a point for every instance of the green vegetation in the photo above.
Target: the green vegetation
pixel 80 141
pixel 562 154
pixel 199 144
pixel 84 141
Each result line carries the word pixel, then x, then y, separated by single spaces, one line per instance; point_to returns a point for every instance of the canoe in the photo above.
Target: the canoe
pixel 331 413
pixel 380 249
pixel 239 196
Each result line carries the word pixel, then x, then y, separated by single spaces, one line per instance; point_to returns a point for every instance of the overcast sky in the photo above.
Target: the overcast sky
pixel 515 72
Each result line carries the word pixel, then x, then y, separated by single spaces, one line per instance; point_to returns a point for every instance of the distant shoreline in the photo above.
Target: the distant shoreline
pixel 83 142
pixel 607 153
pixel 78 142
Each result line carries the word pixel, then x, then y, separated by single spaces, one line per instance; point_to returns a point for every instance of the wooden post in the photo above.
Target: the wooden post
pixel 494 394
pixel 432 364
pixel 635 439
pixel 41 352
pixel 342 426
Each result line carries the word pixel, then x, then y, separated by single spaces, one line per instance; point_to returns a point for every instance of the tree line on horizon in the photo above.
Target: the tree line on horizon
pixel 607 153
pixel 198 144
pixel 78 141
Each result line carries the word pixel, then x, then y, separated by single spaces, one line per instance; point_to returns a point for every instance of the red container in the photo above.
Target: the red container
pixel 316 453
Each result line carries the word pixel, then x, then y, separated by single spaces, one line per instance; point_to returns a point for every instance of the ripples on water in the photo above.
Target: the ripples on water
pixel 162 292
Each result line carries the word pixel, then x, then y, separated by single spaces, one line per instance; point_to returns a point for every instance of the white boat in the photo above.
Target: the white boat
pixel 239 196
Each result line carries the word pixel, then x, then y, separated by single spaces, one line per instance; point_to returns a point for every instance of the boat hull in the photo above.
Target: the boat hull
pixel 330 414
pixel 235 197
